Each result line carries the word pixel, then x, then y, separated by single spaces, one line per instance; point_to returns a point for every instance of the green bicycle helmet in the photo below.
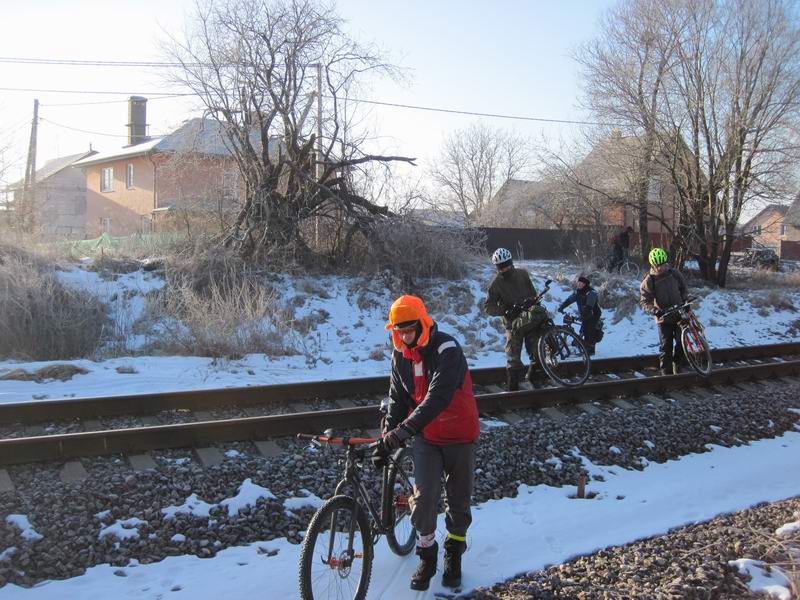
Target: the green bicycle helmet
pixel 657 257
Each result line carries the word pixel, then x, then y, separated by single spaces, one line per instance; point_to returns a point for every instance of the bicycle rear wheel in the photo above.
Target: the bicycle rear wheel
pixel 696 350
pixel 402 536
pixel 629 269
pixel 331 566
pixel 564 357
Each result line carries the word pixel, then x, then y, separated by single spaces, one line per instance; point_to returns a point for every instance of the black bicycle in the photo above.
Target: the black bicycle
pixel 337 551
pixel 693 337
pixel 560 351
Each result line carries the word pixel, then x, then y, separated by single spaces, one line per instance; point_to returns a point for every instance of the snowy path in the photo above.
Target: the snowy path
pixel 541 526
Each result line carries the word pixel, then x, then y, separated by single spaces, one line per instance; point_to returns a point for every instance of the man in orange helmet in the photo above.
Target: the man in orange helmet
pixel 431 400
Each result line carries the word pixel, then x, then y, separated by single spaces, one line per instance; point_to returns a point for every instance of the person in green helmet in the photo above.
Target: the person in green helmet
pixel 661 288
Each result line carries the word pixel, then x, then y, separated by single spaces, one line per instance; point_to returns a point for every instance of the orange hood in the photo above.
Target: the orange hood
pixel 409 308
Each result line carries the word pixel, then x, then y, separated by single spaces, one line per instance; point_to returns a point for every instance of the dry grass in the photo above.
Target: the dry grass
pixel 42 319
pixel 760 279
pixel 773 299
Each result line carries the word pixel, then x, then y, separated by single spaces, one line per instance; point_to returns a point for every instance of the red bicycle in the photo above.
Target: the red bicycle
pixel 693 338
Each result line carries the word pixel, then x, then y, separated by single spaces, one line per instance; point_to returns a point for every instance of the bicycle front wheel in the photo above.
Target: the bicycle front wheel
pixel 696 350
pixel 401 535
pixel 629 269
pixel 336 556
pixel 564 357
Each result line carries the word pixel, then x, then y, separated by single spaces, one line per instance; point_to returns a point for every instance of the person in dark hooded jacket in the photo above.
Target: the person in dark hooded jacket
pixel 431 400
pixel 588 309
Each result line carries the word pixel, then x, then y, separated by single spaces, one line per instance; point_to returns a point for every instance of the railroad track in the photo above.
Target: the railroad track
pixel 318 405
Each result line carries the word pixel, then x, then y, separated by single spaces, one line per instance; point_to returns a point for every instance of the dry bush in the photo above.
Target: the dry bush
pixel 41 318
pixel 618 293
pixel 413 250
pixel 226 319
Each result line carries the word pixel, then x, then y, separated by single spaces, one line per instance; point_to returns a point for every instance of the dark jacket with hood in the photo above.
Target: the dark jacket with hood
pixel 659 291
pixel 506 290
pixel 588 304
pixel 430 389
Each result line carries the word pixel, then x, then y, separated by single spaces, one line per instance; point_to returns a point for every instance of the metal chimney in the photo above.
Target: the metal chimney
pixel 137 120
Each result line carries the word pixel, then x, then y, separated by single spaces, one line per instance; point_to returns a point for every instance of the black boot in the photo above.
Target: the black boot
pixel 512 378
pixel 453 549
pixel 665 371
pixel 533 375
pixel 421 578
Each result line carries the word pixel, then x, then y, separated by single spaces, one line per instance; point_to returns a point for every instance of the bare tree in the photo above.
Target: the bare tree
pixel 474 163
pixel 257 66
pixel 722 97
pixel 624 70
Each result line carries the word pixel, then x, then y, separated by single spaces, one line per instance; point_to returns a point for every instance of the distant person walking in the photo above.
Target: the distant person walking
pixel 620 250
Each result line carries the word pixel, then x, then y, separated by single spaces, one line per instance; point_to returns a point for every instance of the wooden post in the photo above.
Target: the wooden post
pixel 581 486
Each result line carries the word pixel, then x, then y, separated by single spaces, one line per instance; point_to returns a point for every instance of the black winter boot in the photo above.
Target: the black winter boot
pixel 512 379
pixel 453 549
pixel 421 578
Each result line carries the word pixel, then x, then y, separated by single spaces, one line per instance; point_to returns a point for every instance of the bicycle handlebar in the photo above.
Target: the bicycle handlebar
pixel 675 307
pixel 340 441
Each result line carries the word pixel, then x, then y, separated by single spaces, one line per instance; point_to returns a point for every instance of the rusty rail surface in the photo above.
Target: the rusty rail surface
pixel 30 412
pixel 65 446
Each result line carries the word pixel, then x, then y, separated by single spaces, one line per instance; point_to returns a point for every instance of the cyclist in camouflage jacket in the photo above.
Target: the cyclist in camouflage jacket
pixel 508 290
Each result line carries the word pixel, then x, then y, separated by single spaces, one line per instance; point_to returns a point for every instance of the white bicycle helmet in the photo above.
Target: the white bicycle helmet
pixel 501 255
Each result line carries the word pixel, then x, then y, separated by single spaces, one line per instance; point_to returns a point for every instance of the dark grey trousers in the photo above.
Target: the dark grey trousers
pixel 457 463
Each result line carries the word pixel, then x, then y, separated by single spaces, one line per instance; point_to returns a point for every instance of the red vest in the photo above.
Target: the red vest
pixel 456 424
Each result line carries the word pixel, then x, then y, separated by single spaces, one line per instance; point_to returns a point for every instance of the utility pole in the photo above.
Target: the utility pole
pixel 26 219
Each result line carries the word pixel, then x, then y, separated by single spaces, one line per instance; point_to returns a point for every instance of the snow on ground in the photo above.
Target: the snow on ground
pixel 24 525
pixel 772 582
pixel 351 341
pixel 550 526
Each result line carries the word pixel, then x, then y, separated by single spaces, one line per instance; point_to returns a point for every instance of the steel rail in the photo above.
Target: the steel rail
pixel 66 446
pixel 30 412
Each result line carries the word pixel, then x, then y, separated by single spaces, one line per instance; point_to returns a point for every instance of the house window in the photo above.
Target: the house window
pixel 654 191
pixel 105 224
pixel 757 230
pixel 107 179
pixel 129 176
pixel 783 229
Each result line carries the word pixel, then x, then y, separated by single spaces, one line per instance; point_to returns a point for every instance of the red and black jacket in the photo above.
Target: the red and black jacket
pixel 431 392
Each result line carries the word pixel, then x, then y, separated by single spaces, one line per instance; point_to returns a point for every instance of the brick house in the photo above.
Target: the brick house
pixel 59 210
pixel 128 190
pixel 606 200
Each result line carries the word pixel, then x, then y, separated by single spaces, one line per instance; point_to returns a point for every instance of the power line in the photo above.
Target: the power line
pixel 149 98
pixel 94 63
pixel 96 92
pixel 476 114
pixel 117 135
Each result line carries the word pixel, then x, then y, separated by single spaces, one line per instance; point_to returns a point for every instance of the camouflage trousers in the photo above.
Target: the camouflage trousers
pixel 514 343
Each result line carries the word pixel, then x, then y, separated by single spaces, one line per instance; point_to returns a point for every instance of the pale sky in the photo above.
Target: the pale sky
pixel 508 57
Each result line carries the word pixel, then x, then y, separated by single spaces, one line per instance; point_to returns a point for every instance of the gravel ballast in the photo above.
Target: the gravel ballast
pixel 70 516
pixel 690 563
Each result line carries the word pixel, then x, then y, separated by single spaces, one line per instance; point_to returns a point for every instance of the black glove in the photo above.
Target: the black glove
pixel 513 312
pixel 658 313
pixel 561 309
pixel 396 438
pixel 380 456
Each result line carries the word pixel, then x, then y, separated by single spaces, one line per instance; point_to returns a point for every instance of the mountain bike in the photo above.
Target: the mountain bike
pixel 337 551
pixel 627 268
pixel 560 351
pixel 693 337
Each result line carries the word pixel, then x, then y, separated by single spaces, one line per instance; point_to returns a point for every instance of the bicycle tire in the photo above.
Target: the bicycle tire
pixel 557 345
pixel 629 269
pixel 696 351
pixel 328 515
pixel 403 539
